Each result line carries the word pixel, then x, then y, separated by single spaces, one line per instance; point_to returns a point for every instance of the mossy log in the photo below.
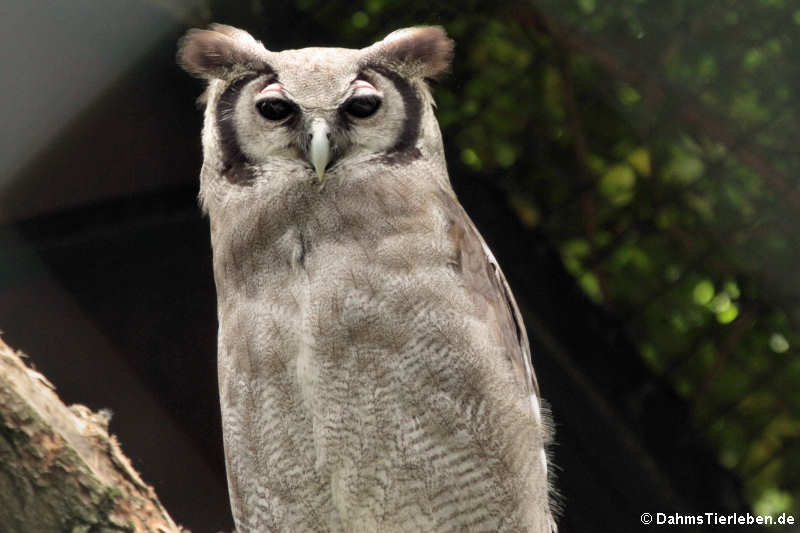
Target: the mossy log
pixel 60 470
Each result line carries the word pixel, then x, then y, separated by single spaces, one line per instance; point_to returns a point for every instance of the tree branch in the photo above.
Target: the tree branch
pixel 60 470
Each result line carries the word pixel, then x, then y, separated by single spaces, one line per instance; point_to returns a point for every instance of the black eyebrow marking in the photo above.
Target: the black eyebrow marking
pixel 235 162
pixel 404 148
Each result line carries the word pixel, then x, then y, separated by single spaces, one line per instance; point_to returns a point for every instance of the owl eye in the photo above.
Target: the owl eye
pixel 362 106
pixel 275 108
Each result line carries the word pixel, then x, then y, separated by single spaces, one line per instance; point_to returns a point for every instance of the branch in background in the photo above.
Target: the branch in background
pixel 587 180
pixel 60 470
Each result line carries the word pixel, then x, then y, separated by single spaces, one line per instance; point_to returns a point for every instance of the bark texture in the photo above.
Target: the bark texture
pixel 60 470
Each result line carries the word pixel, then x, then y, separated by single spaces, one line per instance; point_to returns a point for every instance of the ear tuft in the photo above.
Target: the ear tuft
pixel 423 51
pixel 219 52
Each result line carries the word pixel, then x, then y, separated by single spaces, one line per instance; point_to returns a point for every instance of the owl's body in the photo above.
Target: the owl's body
pixel 373 367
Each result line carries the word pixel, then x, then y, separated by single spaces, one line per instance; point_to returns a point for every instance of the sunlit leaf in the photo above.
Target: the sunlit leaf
pixel 703 292
pixel 469 157
pixel 683 167
pixel 639 159
pixel 720 303
pixel 773 502
pixel 573 252
pixel 732 289
pixel 728 315
pixel 778 343
pixel 618 183
pixel 591 286
pixel 632 255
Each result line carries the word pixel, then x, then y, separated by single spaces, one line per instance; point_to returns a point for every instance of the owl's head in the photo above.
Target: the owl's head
pixel 308 112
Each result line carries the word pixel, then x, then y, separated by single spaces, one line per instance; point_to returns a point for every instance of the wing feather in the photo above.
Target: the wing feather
pixel 483 275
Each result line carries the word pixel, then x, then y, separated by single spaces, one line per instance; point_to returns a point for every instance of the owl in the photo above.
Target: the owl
pixel 374 370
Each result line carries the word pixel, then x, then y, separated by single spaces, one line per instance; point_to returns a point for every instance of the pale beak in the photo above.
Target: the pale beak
pixel 320 149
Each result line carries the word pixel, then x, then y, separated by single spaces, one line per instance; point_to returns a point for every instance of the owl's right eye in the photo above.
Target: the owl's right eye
pixel 275 108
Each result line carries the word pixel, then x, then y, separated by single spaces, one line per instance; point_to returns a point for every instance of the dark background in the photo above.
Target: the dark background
pixel 632 165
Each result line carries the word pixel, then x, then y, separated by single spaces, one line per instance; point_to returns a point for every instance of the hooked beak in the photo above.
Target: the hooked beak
pixel 319 152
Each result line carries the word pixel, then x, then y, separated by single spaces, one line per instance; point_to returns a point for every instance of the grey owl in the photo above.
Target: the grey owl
pixel 374 370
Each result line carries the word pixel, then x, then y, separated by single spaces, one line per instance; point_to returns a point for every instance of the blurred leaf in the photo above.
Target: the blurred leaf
pixel 748 109
pixel 553 92
pixel 773 502
pixel 639 159
pixel 683 167
pixel 720 303
pixel 732 289
pixel 728 315
pixel 591 286
pixel 618 184
pixel 628 95
pixel 587 6
pixel 469 157
pixel 504 154
pixel 752 59
pixel 373 6
pixel 703 292
pixel 573 252
pixel 778 343
pixel 701 204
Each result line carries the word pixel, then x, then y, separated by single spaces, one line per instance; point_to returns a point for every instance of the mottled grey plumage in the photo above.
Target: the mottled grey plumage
pixel 374 369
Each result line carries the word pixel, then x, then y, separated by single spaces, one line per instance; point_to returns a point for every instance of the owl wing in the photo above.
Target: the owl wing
pixel 485 280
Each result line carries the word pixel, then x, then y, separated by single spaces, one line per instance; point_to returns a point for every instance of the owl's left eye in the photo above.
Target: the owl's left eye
pixel 362 106
pixel 275 108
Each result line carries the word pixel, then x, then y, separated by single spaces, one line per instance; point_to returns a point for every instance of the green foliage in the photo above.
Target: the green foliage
pixel 703 256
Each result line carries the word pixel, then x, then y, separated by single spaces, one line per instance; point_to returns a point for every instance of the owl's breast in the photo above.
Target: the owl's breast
pixel 358 371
